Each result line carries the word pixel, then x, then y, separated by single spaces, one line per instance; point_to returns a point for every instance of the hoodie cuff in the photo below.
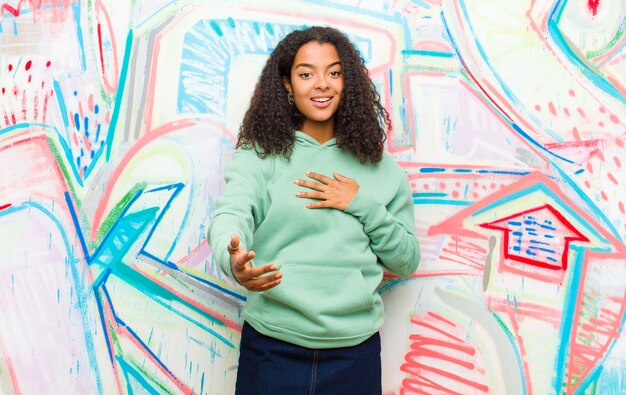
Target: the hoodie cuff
pixel 366 209
pixel 224 261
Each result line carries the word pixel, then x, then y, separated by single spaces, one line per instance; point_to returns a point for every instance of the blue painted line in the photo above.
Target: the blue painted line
pixel 595 210
pixel 217 287
pixel 79 34
pixel 176 190
pixel 438 54
pixel 137 375
pixel 61 102
pixel 443 202
pixel 569 309
pixel 119 94
pixel 105 327
pixel 79 231
pixel 432 170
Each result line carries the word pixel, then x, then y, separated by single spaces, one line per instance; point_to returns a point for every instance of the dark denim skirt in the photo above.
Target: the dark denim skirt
pixel 274 367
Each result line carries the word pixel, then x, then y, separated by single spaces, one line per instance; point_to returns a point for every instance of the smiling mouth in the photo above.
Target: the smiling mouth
pixel 321 99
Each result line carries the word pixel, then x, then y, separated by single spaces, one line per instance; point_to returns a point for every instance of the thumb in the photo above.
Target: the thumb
pixel 233 245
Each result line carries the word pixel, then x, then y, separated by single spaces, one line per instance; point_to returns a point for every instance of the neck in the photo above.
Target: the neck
pixel 320 131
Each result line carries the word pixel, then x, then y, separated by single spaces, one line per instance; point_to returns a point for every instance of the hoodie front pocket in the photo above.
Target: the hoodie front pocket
pixel 319 301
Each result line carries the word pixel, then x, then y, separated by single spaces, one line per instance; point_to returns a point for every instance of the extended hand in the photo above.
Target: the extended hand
pixel 251 277
pixel 332 193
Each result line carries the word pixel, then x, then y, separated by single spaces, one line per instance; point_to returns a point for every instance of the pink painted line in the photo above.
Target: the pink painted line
pixel 192 253
pixel 435 329
pixel 443 273
pixel 419 341
pixel 45 105
pixel 474 257
pixel 110 82
pixel 617 84
pixel 86 142
pixel 554 276
pixel 9 364
pixel 539 312
pixel 414 386
pixel 24 106
pixel 450 376
pixel 36 106
pixel 592 328
pixel 593 143
pixel 441 318
pixel 81 113
pixel 421 352
pixel 464 263
pixel 432 45
pixel 110 325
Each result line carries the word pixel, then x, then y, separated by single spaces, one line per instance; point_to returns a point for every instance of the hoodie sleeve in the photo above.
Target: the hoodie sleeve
pixel 238 209
pixel 390 228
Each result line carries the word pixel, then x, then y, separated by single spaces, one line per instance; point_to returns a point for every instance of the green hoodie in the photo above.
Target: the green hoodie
pixel 331 260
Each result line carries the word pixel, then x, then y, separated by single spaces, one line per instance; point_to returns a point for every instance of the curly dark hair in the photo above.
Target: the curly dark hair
pixel 270 121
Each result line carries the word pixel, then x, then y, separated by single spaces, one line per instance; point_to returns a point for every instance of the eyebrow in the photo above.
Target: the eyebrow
pixel 311 66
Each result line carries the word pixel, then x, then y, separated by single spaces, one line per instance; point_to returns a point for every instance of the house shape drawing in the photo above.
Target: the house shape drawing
pixel 539 236
pixel 525 286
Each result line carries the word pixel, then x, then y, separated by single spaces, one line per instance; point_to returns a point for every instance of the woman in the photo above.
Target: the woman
pixel 312 213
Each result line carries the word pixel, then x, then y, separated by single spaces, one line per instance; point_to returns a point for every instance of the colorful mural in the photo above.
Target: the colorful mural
pixel 116 119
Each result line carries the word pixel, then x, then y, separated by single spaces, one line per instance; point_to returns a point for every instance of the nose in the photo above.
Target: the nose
pixel 322 83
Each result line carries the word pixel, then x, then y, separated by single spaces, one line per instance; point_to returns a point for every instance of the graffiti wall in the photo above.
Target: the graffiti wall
pixel 116 120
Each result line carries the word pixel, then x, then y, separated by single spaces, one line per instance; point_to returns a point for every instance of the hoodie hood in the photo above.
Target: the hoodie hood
pixel 304 140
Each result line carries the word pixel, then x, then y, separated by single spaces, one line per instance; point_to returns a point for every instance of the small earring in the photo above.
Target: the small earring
pixel 289 98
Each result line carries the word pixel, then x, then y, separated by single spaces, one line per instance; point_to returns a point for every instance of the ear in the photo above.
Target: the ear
pixel 287 85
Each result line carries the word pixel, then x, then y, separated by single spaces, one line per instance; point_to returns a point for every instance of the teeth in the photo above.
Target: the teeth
pixel 321 99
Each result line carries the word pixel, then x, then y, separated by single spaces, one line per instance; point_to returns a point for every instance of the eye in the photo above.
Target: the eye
pixel 335 73
pixel 305 75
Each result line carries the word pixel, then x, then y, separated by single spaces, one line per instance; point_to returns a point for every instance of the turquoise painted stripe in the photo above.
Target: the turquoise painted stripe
pixel 119 94
pixel 448 202
pixel 438 54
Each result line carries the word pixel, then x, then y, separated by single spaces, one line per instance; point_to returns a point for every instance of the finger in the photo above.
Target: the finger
pixel 312 195
pixel 268 285
pixel 341 177
pixel 241 261
pixel 320 204
pixel 258 283
pixel 261 270
pixel 319 177
pixel 318 186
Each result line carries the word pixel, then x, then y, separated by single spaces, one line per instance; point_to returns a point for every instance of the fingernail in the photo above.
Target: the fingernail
pixel 298 194
pixel 273 267
pixel 278 275
pixel 308 205
pixel 297 181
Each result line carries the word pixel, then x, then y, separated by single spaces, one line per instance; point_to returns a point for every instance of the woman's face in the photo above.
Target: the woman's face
pixel 316 84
